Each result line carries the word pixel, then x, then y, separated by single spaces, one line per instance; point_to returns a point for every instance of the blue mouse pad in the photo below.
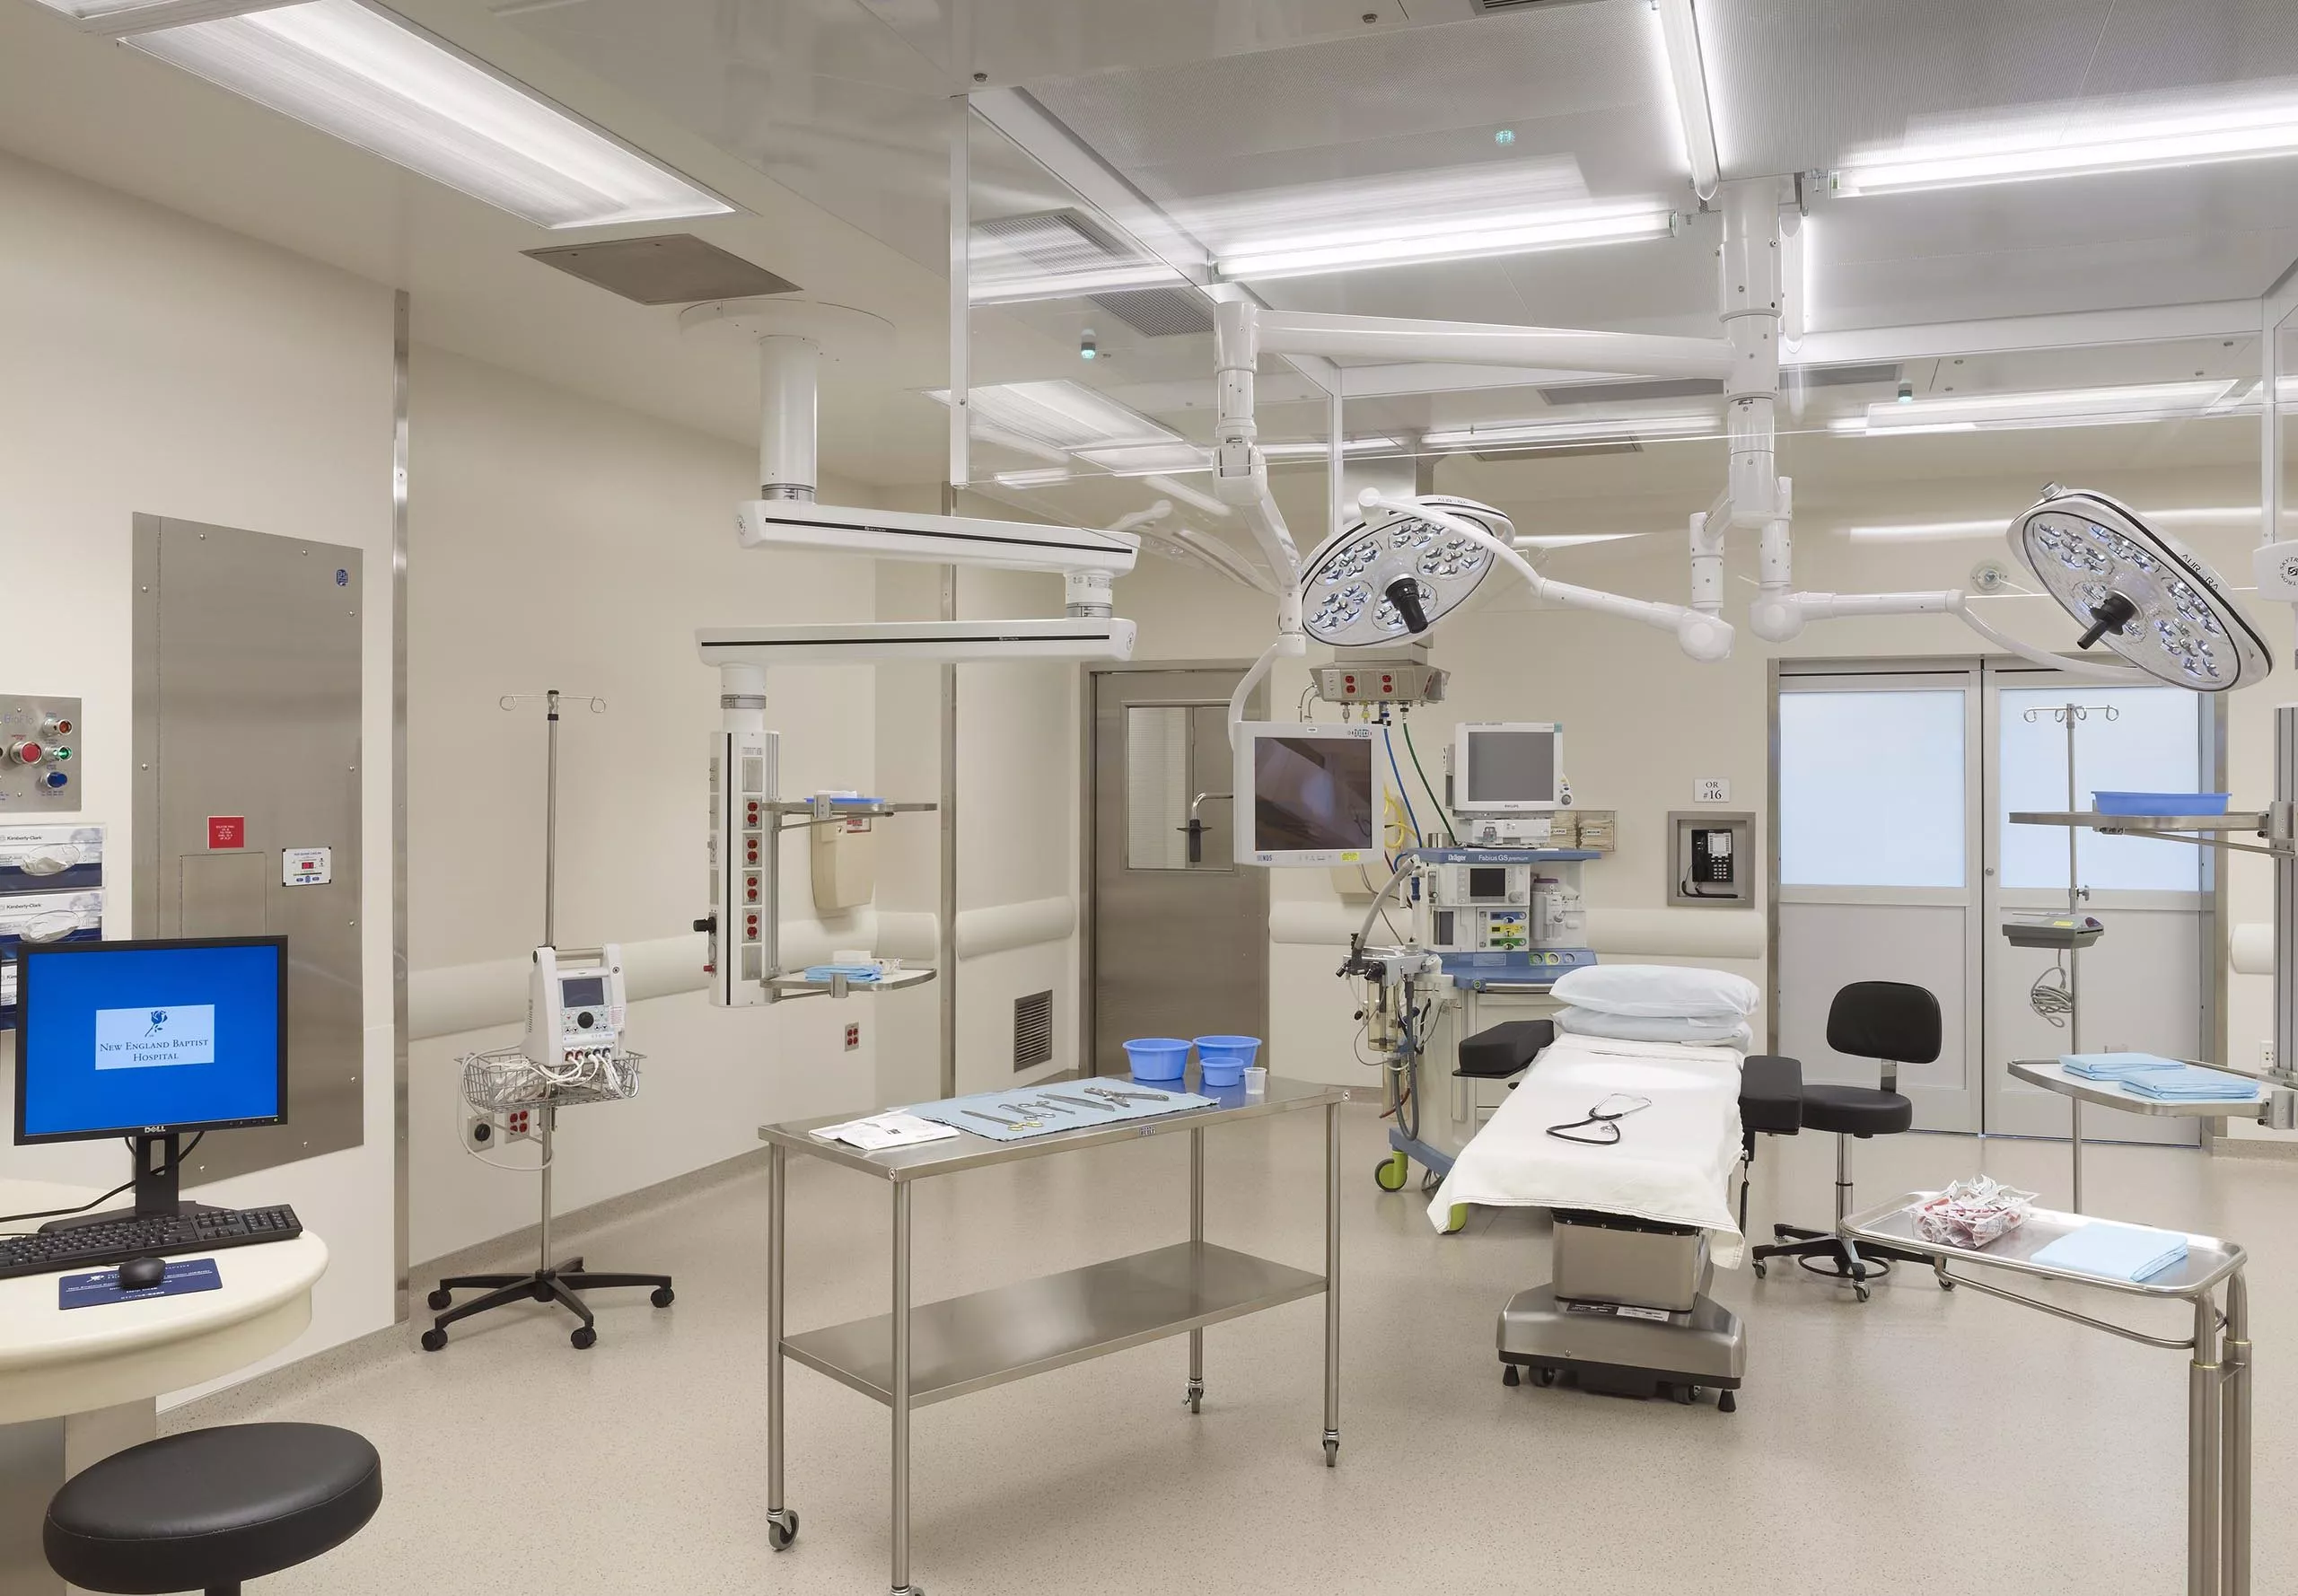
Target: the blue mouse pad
pixel 87 1291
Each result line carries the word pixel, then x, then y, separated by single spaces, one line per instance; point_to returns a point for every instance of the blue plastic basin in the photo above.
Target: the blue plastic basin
pixel 2160 803
pixel 1222 1059
pixel 1158 1057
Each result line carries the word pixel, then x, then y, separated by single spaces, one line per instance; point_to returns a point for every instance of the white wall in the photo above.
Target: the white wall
pixel 153 364
pixel 554 542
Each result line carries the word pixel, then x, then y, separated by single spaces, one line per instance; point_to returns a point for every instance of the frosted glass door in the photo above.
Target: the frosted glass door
pixel 1878 869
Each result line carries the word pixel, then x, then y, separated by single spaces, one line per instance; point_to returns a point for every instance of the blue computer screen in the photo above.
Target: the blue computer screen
pixel 129 1037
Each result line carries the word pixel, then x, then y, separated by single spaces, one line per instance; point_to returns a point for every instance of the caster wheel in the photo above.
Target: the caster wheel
pixel 441 1300
pixel 1456 1219
pixel 1761 1268
pixel 780 1534
pixel 1684 1396
pixel 1509 1376
pixel 663 1296
pixel 1389 1173
pixel 1193 1398
pixel 433 1341
pixel 585 1339
pixel 1726 1402
pixel 1543 1376
pixel 1860 1292
pixel 1946 1286
pixel 1332 1453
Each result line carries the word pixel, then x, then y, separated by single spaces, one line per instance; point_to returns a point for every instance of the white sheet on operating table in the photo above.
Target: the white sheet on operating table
pixel 1672 1163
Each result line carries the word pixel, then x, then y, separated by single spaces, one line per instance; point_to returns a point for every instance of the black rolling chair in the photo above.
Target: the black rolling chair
pixel 207 1510
pixel 1894 1023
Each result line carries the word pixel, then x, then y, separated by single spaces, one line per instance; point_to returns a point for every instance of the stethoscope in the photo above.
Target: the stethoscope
pixel 1604 1117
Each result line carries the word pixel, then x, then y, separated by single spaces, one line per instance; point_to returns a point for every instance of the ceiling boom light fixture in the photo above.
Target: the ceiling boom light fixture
pixel 1419 242
pixel 369 77
pixel 2123 133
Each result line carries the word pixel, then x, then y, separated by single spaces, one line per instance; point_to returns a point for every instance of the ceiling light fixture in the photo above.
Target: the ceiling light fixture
pixel 1686 73
pixel 1047 477
pixel 2102 136
pixel 1570 540
pixel 1923 531
pixel 1563 433
pixel 1316 449
pixel 1060 414
pixel 2073 406
pixel 1002 288
pixel 1144 460
pixel 1368 244
pixel 374 80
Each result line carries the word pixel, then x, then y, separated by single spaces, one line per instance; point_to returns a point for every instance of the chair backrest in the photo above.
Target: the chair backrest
pixel 1890 1020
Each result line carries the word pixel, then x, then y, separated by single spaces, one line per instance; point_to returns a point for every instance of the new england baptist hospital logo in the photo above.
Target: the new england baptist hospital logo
pixel 146 1038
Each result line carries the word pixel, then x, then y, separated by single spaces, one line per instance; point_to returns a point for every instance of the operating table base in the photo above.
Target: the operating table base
pixel 1624 1350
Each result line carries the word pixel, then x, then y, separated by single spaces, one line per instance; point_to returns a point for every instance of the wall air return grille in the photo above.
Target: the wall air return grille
pixel 1033 1031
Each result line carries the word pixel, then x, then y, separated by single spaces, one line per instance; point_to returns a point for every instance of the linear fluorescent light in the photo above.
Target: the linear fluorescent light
pixel 115 18
pixel 1680 35
pixel 1369 243
pixel 2105 135
pixel 2073 406
pixel 1060 414
pixel 1584 429
pixel 997 288
pixel 1046 477
pixel 1569 540
pixel 1316 449
pixel 375 81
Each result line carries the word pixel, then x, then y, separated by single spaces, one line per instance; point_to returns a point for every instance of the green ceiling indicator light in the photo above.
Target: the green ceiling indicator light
pixel 1503 136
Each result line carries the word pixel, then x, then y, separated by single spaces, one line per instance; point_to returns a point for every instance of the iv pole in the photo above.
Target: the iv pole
pixel 2068 715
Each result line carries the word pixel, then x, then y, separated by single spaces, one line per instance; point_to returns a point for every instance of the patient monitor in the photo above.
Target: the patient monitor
pixel 1308 794
pixel 1507 780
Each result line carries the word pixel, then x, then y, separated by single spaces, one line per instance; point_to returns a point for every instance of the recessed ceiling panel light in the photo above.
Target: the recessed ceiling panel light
pixel 1316 449
pixel 1060 414
pixel 372 80
pixel 1369 243
pixel 2073 406
pixel 1581 429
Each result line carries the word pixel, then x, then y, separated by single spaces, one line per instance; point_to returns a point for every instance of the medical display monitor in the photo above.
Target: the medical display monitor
pixel 1507 766
pixel 150 1038
pixel 1309 793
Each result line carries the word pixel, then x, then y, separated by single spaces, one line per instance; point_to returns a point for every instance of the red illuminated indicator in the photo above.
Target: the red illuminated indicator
pixel 227 831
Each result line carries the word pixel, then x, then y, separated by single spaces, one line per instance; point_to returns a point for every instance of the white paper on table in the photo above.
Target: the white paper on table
pixel 881 1131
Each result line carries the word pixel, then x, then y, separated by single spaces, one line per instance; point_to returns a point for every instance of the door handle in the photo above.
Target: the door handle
pixel 1196 827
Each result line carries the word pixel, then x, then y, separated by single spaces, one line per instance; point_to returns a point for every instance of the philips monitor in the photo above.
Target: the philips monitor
pixel 150 1041
pixel 1507 768
pixel 1309 793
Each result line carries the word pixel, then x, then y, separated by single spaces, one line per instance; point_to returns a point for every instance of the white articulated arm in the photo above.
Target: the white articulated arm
pixel 1781 617
pixel 1703 637
pixel 1239 474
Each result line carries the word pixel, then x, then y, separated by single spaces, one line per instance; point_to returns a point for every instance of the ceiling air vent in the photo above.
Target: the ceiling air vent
pixel 1885 374
pixel 1159 312
pixel 1033 1031
pixel 676 268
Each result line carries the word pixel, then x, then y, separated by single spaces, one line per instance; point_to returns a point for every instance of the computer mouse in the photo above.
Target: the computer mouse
pixel 142 1273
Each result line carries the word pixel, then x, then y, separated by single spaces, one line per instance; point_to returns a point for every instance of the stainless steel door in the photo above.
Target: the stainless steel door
pixel 1180 944
pixel 247 744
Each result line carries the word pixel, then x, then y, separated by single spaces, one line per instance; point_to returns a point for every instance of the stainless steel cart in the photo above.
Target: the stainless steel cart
pixel 917 1355
pixel 2218 1368
pixel 2052 1075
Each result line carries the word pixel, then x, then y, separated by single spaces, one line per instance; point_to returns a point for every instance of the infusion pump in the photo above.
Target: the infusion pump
pixel 576 1007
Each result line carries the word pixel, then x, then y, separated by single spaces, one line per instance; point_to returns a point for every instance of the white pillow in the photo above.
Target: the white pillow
pixel 1722 1029
pixel 1664 990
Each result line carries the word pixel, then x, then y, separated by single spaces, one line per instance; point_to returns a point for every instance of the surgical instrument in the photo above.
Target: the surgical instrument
pixel 995 1119
pixel 1079 1103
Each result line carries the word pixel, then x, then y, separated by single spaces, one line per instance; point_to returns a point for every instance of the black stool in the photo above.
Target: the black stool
pixel 1893 1024
pixel 207 1510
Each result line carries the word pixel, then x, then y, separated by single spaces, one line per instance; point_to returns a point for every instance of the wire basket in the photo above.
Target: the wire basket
pixel 506 1078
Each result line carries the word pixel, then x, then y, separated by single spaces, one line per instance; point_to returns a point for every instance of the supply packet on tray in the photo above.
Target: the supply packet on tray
pixel 1973 1213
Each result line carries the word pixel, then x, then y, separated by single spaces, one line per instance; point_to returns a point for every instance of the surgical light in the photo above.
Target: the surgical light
pixel 375 81
pixel 1392 574
pixel 2142 592
pixel 1368 244
pixel 2119 135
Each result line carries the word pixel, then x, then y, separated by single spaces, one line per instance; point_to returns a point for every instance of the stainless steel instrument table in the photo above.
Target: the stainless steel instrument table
pixel 2218 1368
pixel 917 1355
pixel 2052 1075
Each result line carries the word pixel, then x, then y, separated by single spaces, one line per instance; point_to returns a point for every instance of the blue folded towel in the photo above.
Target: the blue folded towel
pixel 2114 1251
pixel 852 972
pixel 2192 1085
pixel 2115 1066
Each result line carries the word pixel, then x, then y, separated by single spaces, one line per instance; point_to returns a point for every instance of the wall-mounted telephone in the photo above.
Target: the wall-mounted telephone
pixel 1712 860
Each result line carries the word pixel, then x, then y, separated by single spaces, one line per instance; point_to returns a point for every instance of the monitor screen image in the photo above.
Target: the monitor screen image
pixel 1313 794
pixel 122 1037
pixel 1509 767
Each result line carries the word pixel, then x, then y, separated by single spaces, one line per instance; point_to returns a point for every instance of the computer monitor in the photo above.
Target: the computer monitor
pixel 1309 793
pixel 1507 766
pixel 151 1040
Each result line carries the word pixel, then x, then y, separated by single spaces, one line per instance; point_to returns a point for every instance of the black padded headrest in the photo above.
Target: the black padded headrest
pixel 1498 1051
pixel 1885 1020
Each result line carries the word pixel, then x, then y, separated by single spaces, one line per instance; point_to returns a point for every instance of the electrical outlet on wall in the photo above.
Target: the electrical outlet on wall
pixel 2265 1053
pixel 853 1037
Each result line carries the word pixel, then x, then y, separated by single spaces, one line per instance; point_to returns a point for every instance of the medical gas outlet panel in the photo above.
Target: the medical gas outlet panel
pixel 1380 681
pixel 39 755
pixel 745 773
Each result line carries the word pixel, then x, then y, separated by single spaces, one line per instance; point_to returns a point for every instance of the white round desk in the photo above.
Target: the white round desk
pixel 77 1386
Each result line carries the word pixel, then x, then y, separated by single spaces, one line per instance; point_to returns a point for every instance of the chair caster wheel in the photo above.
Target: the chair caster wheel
pixel 433 1341
pixel 1332 1453
pixel 441 1300
pixel 585 1339
pixel 663 1296
pixel 1860 1292
pixel 1761 1268
pixel 782 1529
pixel 1509 1375
pixel 1389 1173
pixel 1726 1402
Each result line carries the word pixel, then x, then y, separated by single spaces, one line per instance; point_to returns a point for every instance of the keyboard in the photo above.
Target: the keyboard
pixel 114 1241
